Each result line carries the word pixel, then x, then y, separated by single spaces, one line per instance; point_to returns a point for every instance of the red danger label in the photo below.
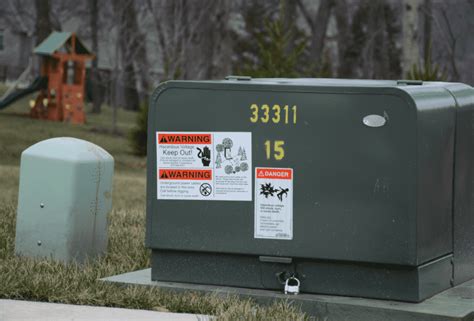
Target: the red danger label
pixel 184 139
pixel 186 174
pixel 275 173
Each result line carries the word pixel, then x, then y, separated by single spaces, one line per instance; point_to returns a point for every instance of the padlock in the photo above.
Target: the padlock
pixel 292 286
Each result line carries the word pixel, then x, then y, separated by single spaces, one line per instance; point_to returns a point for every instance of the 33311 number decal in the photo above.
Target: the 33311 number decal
pixel 275 114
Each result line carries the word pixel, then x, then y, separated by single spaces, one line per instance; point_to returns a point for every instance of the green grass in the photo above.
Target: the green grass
pixel 44 280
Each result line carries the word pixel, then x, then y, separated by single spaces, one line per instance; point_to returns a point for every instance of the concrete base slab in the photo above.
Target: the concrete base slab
pixel 13 310
pixel 455 304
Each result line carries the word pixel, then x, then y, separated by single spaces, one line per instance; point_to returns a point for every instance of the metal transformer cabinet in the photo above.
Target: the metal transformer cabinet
pixel 382 177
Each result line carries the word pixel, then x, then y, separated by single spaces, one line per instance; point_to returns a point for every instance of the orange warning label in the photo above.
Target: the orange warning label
pixel 186 174
pixel 184 139
pixel 275 173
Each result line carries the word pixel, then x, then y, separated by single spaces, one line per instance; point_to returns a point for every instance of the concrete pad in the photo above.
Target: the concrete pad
pixel 13 310
pixel 455 304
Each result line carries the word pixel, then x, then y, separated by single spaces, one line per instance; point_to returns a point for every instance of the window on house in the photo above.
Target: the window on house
pixel 1 40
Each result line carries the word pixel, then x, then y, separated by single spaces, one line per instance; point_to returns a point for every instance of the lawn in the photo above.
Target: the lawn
pixel 48 281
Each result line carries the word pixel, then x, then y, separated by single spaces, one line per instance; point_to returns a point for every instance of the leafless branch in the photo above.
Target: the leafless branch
pixel 452 43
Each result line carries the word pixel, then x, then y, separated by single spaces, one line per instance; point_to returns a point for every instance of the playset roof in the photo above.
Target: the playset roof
pixel 56 41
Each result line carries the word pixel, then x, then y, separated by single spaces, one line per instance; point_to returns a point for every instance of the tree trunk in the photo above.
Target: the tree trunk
pixel 43 23
pixel 214 39
pixel 343 36
pixel 186 41
pixel 319 30
pixel 125 14
pixel 138 46
pixel 210 44
pixel 143 68
pixel 380 66
pixel 427 17
pixel 128 81
pixel 318 27
pixel 222 51
pixel 96 85
pixel 411 37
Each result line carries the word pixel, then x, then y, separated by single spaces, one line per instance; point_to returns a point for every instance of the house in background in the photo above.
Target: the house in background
pixel 16 50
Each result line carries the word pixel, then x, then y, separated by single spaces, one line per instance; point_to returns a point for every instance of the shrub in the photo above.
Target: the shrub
pixel 273 59
pixel 427 71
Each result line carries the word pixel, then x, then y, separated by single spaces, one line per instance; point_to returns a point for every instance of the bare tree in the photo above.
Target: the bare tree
pixel 341 14
pixel 63 11
pixel 20 15
pixel 195 39
pixel 377 65
pixel 214 42
pixel 43 22
pixel 318 26
pixel 451 43
pixel 371 45
pixel 94 75
pixel 127 40
pixel 427 22
pixel 189 35
pixel 411 35
pixel 139 46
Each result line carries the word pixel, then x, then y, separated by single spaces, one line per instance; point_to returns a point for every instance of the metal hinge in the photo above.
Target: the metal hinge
pixel 232 77
pixel 405 82
pixel 275 259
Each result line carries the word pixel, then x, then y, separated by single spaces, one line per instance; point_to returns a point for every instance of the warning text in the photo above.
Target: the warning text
pixel 187 174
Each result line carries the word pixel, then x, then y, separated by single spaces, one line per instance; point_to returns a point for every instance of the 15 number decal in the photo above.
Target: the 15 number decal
pixel 276 114
pixel 278 150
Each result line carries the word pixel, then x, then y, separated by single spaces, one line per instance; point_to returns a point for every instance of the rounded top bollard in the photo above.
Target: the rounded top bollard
pixel 65 195
pixel 68 149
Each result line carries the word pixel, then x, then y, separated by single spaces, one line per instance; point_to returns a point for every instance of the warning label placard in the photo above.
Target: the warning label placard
pixel 274 203
pixel 180 174
pixel 204 166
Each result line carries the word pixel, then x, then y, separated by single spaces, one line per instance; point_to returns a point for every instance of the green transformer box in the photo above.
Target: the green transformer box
pixel 352 187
